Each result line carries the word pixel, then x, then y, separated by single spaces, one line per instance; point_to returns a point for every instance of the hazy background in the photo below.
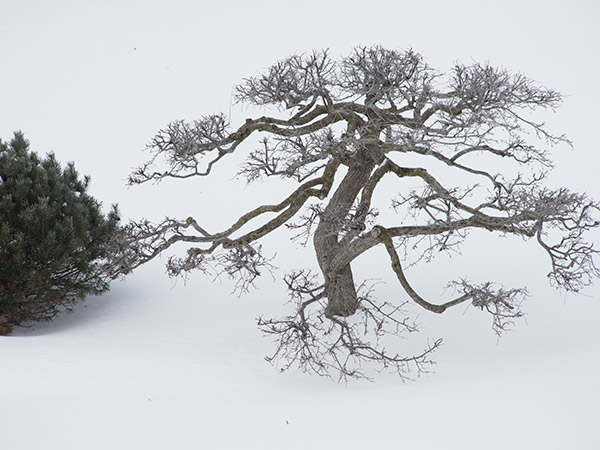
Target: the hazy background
pixel 94 81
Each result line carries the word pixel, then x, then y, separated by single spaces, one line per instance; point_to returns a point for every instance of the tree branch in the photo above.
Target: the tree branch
pixel 397 268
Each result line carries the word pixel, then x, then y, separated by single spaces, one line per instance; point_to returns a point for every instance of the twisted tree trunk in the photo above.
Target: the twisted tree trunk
pixel 340 289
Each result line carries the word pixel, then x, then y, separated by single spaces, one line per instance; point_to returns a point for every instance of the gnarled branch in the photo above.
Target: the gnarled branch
pixel 361 117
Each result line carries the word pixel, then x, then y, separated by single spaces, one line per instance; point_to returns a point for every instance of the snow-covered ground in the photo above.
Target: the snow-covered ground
pixel 160 365
pixel 153 366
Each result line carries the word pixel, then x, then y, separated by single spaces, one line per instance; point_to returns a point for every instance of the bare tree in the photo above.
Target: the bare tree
pixel 340 127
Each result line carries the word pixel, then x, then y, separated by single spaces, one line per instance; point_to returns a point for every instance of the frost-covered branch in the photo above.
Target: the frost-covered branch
pixel 338 128
pixel 341 348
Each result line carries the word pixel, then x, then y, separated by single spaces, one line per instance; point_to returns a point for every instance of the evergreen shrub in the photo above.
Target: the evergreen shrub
pixel 53 236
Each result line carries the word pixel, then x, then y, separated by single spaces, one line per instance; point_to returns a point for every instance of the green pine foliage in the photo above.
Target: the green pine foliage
pixel 53 237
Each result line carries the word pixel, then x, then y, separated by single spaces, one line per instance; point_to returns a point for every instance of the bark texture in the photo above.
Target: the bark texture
pixel 340 288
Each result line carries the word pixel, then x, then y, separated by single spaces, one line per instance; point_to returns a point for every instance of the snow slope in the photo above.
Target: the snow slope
pixel 153 366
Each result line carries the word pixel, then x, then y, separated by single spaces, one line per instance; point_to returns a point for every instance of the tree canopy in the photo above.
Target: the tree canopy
pixel 339 127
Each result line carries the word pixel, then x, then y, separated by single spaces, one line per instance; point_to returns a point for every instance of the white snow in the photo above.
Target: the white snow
pixel 153 366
